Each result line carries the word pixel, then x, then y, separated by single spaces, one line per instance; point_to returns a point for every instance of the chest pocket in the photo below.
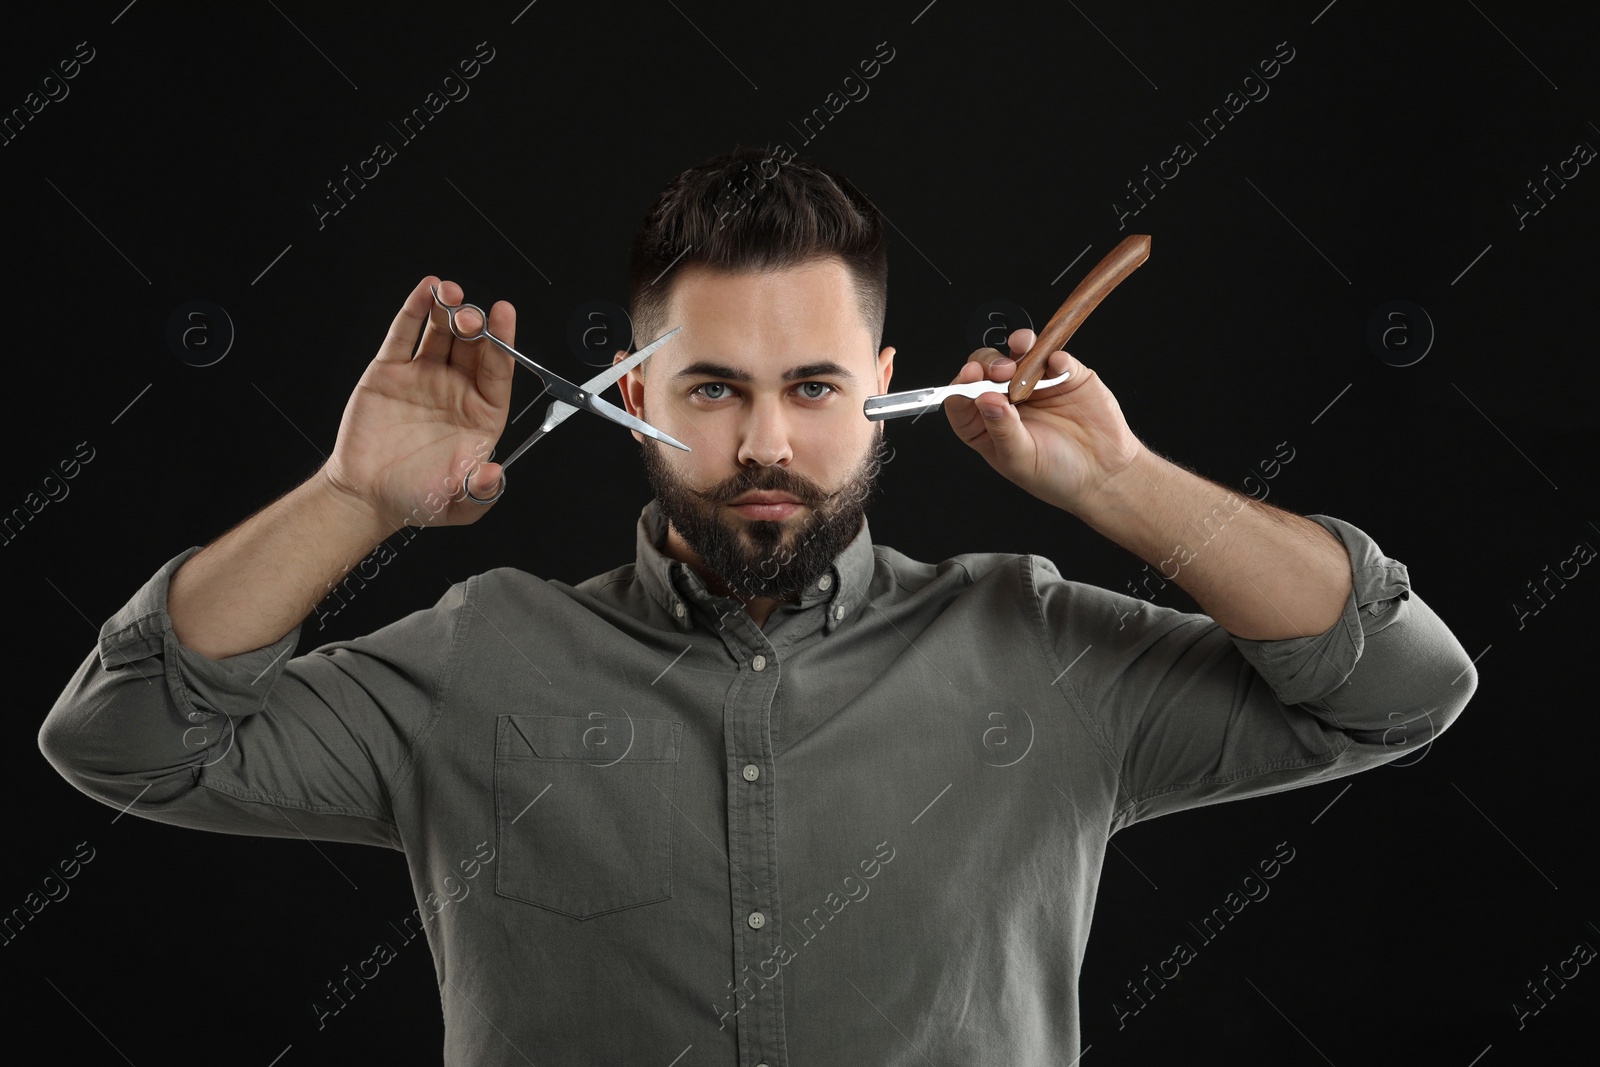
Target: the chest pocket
pixel 584 811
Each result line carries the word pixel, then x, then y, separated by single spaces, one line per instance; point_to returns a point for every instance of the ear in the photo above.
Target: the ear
pixel 632 391
pixel 885 368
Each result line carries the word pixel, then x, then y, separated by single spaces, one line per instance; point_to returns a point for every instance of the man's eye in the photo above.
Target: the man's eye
pixel 809 390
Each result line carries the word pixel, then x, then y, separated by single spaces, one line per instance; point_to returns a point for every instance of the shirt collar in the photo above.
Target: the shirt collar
pixel 675 586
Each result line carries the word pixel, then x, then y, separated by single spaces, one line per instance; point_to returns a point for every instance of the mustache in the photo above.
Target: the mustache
pixel 776 479
pixel 769 480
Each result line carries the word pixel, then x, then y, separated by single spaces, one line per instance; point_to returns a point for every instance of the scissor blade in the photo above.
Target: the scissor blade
pixel 560 411
pixel 616 414
pixel 609 376
pixel 580 397
pixel 566 397
pixel 614 372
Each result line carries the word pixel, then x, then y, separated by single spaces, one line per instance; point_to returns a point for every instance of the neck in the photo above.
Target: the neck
pixel 758 608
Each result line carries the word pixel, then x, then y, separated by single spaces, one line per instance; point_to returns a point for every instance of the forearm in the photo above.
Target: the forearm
pixel 1262 573
pixel 257 581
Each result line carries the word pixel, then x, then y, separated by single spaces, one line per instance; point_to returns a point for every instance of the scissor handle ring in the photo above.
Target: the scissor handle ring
pixel 497 493
pixel 450 315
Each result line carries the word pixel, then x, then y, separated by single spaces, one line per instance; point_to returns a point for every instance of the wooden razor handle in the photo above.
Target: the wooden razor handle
pixel 1120 262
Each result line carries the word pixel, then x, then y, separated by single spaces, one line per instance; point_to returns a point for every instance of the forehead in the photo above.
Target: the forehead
pixel 802 311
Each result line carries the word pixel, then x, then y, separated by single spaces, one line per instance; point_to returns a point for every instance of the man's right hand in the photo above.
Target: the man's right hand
pixel 414 427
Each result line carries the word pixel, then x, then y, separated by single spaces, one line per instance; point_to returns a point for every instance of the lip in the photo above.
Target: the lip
pixel 765 497
pixel 780 509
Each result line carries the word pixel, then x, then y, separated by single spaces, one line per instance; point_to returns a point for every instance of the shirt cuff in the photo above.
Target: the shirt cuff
pixel 1302 670
pixel 142 629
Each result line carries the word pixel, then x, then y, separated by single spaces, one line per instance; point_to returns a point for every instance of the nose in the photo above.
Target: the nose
pixel 764 435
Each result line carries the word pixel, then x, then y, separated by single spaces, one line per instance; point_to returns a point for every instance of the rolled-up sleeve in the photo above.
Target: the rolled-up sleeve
pixel 260 743
pixel 1191 715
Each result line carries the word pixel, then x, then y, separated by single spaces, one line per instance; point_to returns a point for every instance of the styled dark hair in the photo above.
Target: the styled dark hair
pixel 752 210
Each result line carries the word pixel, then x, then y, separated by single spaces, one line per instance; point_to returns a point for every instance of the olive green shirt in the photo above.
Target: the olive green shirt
pixel 639 827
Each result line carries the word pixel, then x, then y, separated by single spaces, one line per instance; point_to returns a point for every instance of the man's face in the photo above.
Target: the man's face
pixel 765 382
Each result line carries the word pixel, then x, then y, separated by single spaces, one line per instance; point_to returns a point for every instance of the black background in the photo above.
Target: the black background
pixel 1383 165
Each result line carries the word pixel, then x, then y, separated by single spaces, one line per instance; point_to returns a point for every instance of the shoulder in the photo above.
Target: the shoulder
pixel 955 576
pixel 499 585
pixel 521 594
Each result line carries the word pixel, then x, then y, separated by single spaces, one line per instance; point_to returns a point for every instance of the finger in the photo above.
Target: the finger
pixel 992 414
pixel 1021 342
pixel 964 411
pixel 1003 423
pixel 967 415
pixel 1061 362
pixel 437 340
pixel 402 337
pixel 984 363
pixel 995 364
pixel 490 364
pixel 463 355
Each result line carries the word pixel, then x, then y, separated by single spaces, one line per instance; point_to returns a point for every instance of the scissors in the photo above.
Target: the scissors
pixel 568 398
pixel 1120 262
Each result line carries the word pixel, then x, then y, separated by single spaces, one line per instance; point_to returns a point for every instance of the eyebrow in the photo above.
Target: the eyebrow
pixel 707 369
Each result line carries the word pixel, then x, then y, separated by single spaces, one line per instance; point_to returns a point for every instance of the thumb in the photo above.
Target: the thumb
pixel 1003 423
pixel 484 480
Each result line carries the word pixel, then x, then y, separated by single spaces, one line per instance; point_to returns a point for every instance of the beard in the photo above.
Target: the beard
pixel 760 557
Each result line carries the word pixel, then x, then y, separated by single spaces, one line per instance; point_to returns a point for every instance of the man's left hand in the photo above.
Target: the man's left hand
pixel 1062 444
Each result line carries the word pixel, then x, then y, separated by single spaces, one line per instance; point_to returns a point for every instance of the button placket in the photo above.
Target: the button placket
pixel 756 917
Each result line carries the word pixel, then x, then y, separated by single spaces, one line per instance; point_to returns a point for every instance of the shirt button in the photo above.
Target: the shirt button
pixel 757 920
pixel 759 663
pixel 838 611
pixel 825 581
pixel 751 772
pixel 677 609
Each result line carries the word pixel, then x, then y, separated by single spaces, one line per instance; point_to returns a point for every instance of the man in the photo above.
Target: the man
pixel 771 793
